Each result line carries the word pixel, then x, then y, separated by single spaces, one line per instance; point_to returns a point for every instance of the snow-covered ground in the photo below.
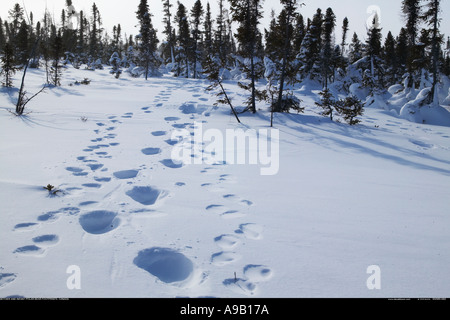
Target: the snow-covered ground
pixel 130 222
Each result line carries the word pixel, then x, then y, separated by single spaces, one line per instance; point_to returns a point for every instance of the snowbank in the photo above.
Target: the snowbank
pixel 420 112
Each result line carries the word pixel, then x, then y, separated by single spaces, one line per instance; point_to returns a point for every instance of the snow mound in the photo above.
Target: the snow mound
pixel 418 111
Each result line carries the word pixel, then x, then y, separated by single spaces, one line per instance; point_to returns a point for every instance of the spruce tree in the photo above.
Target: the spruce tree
pixel 329 23
pixel 401 51
pixel 183 42
pixel 247 13
pixel 219 38
pixel 56 53
pixel 327 103
pixel 299 33
pixel 432 19
pixel 8 67
pixel 168 49
pixel 2 36
pixel 95 47
pixel 373 76
pixel 311 46
pixel 147 40
pixel 355 50
pixel 208 32
pixel 390 59
pixel 16 15
pixel 290 7
pixel 22 46
pixel 411 10
pixel 196 14
pixel 345 29
pixel 274 38
pixel 350 108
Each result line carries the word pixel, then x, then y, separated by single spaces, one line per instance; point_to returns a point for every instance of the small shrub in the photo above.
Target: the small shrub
pixel 349 108
pixel 288 102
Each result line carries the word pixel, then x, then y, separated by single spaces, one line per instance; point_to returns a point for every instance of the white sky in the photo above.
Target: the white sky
pixel 123 12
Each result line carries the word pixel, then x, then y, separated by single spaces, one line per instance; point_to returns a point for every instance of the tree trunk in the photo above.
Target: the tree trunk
pixel 434 95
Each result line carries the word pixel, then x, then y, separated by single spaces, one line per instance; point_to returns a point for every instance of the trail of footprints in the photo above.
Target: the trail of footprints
pixel 97 222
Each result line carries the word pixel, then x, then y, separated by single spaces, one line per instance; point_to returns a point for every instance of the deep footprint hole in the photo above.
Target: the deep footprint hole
pixel 166 264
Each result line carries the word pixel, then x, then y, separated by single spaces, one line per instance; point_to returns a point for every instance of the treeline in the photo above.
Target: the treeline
pixel 231 44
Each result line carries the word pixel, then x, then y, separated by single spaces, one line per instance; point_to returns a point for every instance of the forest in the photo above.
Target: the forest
pixel 233 45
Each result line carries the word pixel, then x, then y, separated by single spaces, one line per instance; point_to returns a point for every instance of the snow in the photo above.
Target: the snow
pixel 135 223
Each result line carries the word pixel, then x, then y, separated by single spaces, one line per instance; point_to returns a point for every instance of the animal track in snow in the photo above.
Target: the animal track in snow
pixel 99 221
pixel 146 195
pixel 128 115
pixel 30 250
pixel 227 241
pixel 170 164
pixel 46 240
pixel 167 265
pixel 6 278
pixel 151 151
pixel 224 257
pixel 250 231
pixel 257 273
pixel 92 185
pixel 126 174
pixel 26 226
pixel 240 286
pixel 102 179
pixel 217 208
pixel 159 133
pixel 171 118
pixel 232 214
pixel 172 142
pixel 95 166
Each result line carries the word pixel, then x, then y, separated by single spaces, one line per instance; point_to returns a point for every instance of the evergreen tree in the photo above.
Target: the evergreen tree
pixel 411 10
pixel 8 67
pixel 311 46
pixel 373 78
pixel 345 29
pixel 327 103
pixel 22 46
pixel 168 48
pixel 183 42
pixel 401 51
pixel 2 36
pixel 326 55
pixel 390 59
pixel 196 14
pixel 431 17
pixel 355 50
pixel 290 7
pixel 56 53
pixel 16 15
pixel 274 39
pixel 299 33
pixel 350 108
pixel 422 62
pixel 147 40
pixel 115 63
pixel 95 47
pixel 222 36
pixel 208 31
pixel 248 14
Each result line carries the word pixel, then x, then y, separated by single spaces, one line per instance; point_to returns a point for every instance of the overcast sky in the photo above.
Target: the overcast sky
pixel 123 12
